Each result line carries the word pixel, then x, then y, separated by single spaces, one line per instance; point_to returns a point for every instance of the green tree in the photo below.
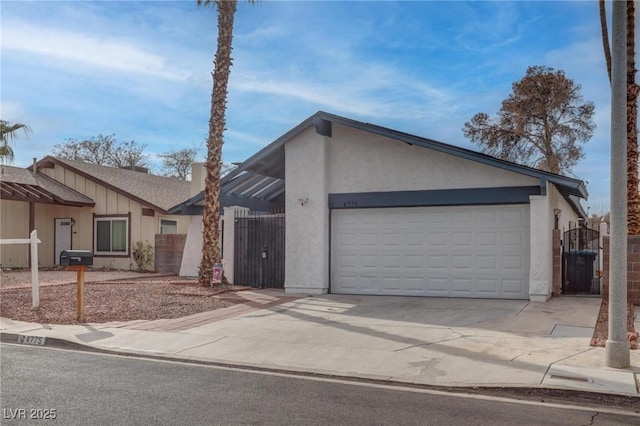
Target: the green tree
pixel 8 132
pixel 222 65
pixel 541 124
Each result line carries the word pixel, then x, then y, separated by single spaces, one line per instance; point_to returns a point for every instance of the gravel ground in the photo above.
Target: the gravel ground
pixel 601 331
pixel 109 296
pixel 11 279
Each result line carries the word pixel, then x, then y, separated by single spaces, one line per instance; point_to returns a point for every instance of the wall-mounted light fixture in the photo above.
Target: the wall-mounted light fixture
pixel 556 215
pixel 303 201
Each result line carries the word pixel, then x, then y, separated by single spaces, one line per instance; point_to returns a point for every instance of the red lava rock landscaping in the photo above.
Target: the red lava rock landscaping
pixel 130 299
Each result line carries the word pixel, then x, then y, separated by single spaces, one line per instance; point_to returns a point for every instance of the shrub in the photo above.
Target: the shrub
pixel 143 255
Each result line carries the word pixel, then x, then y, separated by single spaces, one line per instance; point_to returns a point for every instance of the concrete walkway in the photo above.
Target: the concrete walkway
pixel 444 342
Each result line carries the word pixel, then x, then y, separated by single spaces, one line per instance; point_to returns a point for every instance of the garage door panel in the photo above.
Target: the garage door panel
pixel 487 217
pixel 413 262
pixel 438 261
pixel 515 286
pixel 489 262
pixel 484 239
pixel 348 261
pixel 416 240
pixel 436 239
pixel 368 239
pixel 348 239
pixel 461 217
pixel 369 262
pixel 433 251
pixel 513 216
pixel 462 239
pixel 438 286
pixel 461 262
pixel 391 261
pixel 462 285
pixel 390 286
pixel 512 238
pixel 392 240
pixel 488 286
pixel 512 263
pixel 437 217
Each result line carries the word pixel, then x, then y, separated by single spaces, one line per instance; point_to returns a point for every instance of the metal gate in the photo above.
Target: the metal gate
pixel 259 249
pixel 580 261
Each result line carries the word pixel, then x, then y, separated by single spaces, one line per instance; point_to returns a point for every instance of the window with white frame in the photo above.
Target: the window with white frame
pixel 111 235
pixel 168 226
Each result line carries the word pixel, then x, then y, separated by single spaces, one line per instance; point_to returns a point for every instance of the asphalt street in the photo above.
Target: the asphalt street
pixel 82 388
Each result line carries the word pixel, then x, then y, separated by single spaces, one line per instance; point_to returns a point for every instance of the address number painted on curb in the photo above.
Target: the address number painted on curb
pixel 31 340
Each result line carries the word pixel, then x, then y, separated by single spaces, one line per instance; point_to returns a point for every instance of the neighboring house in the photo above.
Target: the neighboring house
pixel 82 206
pixel 370 210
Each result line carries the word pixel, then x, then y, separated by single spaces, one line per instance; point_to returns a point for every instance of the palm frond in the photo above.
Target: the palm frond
pixel 8 131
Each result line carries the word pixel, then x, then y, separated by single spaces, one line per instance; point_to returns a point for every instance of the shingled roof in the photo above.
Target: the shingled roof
pixel 157 192
pixel 20 184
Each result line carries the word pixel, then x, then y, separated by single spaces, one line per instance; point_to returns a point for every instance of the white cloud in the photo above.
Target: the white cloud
pixel 88 49
pixel 375 91
pixel 246 137
pixel 11 111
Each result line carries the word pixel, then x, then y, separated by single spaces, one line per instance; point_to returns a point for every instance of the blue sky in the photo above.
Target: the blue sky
pixel 141 70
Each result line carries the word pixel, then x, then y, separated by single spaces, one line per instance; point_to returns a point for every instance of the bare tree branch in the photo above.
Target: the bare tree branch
pixel 541 124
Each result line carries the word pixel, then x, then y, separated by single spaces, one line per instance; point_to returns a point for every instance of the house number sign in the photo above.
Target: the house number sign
pixel 31 340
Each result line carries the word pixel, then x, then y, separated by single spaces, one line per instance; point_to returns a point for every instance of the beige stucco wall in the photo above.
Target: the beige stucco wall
pixel 108 201
pixel 14 223
pixel 45 215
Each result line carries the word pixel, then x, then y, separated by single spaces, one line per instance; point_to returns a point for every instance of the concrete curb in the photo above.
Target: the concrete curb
pixel 538 393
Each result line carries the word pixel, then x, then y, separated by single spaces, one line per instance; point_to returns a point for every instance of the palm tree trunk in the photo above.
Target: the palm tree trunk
pixel 633 198
pixel 605 37
pixel 217 123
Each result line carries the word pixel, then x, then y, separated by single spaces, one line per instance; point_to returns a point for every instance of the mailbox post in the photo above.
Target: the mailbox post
pixel 78 260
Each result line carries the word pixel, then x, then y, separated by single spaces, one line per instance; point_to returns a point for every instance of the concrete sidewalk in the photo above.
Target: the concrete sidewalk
pixel 444 342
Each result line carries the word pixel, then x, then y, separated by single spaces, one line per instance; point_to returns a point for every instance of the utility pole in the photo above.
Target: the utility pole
pixel 617 347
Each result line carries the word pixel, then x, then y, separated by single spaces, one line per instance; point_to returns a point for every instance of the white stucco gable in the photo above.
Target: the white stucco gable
pixel 359 161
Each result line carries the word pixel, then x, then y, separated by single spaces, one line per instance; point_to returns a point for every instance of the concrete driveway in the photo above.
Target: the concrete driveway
pixel 424 340
pixel 449 342
pixel 421 340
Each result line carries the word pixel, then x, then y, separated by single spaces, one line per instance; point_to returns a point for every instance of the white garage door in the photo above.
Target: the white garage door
pixel 466 251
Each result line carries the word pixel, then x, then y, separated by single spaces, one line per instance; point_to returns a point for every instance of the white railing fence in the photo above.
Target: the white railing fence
pixel 35 283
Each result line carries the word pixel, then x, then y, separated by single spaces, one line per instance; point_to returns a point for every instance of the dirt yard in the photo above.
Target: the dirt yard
pixel 109 296
pixel 601 331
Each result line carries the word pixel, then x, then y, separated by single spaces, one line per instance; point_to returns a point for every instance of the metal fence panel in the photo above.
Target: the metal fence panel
pixel 580 260
pixel 259 249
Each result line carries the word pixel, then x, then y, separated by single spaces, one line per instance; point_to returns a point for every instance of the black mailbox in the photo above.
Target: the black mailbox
pixel 76 257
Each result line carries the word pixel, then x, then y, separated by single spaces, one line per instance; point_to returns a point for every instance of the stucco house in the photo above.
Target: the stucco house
pixel 371 210
pixel 82 206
